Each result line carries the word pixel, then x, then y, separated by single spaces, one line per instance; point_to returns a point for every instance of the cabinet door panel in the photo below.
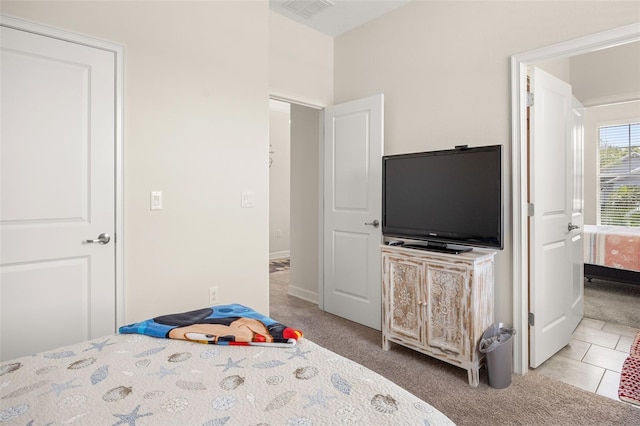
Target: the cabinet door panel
pixel 405 298
pixel 446 298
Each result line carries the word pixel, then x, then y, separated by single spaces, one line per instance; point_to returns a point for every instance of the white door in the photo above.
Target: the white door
pixel 555 155
pixel 353 143
pixel 577 212
pixel 57 182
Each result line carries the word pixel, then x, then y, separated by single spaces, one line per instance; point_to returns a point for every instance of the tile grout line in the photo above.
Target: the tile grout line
pixel 590 345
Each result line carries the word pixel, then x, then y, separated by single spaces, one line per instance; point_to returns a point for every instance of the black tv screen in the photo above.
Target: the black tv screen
pixel 445 197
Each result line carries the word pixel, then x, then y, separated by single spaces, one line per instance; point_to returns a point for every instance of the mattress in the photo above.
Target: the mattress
pixel 136 379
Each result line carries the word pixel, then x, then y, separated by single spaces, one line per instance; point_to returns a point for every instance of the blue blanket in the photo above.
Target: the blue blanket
pixel 218 325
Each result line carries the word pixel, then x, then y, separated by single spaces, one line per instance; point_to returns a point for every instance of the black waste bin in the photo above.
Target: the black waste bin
pixel 497 344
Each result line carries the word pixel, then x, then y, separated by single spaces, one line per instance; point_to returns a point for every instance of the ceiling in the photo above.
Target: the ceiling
pixel 334 17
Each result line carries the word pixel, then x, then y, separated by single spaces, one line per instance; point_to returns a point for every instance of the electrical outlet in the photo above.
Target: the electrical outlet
pixel 213 295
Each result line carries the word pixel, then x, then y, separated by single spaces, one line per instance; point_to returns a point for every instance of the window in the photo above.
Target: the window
pixel 620 175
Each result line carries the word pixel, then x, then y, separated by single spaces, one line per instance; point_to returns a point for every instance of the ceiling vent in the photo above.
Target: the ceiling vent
pixel 307 8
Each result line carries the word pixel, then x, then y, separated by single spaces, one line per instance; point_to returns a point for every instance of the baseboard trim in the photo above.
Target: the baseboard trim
pixel 279 255
pixel 309 296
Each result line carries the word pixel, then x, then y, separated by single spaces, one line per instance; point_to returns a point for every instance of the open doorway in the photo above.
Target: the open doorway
pixel 593 358
pixel 279 180
pixel 561 51
pixel 294 193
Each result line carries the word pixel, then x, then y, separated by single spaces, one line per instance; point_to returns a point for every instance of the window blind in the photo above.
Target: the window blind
pixel 620 174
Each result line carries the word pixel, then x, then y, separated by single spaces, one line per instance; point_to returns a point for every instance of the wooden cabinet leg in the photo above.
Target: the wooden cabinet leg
pixel 474 376
pixel 386 345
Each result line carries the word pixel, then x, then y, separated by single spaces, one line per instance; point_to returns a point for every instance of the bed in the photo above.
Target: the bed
pixel 137 379
pixel 612 252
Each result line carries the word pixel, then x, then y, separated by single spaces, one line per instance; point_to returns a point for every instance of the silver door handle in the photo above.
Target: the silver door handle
pixel 571 227
pixel 102 239
pixel 375 223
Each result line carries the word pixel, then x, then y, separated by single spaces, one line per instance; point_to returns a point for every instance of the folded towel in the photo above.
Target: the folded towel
pixel 218 325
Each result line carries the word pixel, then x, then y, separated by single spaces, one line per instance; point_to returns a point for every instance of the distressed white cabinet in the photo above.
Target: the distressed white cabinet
pixel 438 303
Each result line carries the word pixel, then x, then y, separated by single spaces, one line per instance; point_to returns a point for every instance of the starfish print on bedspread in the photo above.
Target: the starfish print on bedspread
pixel 130 419
pixel 318 399
pixel 297 352
pixel 231 364
pixel 164 372
pixel 99 346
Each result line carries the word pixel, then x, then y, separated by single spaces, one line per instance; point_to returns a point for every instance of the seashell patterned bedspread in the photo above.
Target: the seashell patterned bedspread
pixel 141 380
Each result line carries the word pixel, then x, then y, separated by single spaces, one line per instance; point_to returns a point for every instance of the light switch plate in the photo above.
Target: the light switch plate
pixel 248 199
pixel 156 200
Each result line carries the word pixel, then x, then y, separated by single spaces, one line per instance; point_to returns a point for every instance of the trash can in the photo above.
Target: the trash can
pixel 497 344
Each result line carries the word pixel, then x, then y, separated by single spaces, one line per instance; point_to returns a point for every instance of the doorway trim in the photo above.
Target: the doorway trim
pixel 118 51
pixel 519 161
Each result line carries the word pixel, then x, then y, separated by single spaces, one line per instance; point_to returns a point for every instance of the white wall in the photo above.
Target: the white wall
pixel 444 68
pixel 560 69
pixel 279 180
pixel 300 62
pixel 305 202
pixel 195 127
pixel 616 72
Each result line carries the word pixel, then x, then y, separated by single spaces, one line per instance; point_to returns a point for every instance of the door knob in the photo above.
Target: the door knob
pixel 102 239
pixel 375 223
pixel 571 227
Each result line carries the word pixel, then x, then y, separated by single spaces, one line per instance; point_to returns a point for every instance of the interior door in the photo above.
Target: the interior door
pixel 555 252
pixel 577 211
pixel 57 282
pixel 353 147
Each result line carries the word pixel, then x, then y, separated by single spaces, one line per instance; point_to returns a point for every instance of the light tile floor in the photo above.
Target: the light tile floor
pixel 593 359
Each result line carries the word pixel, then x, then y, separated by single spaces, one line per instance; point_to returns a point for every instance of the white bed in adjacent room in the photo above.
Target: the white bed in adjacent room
pixel 612 252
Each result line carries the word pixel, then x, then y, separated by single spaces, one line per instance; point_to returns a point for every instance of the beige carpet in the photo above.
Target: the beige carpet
pixel 530 400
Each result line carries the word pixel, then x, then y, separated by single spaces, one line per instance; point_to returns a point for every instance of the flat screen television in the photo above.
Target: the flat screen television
pixel 450 200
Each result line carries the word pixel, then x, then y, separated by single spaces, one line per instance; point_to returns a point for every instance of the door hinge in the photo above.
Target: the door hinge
pixel 530 209
pixel 532 319
pixel 529 99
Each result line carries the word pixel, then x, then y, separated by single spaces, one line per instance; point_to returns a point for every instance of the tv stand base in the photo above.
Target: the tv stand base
pixel 438 304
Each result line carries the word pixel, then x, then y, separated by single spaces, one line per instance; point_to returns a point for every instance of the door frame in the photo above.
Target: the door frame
pixel 118 50
pixel 519 161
